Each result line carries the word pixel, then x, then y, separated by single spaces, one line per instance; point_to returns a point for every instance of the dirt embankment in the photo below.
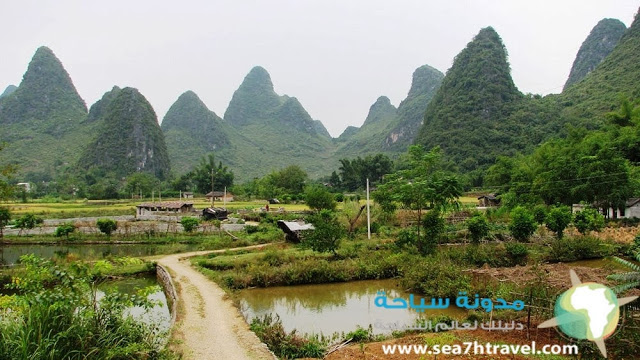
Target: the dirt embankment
pixel 208 325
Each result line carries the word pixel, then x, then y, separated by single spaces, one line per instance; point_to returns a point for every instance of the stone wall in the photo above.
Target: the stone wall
pixel 165 281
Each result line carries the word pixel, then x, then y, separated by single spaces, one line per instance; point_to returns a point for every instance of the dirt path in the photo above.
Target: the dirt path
pixel 208 325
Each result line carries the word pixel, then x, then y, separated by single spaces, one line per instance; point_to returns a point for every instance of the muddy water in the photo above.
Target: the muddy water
pixel 330 308
pixel 603 263
pixel 158 316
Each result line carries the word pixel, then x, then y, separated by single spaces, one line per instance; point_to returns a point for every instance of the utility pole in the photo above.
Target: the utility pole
pixel 368 213
pixel 212 187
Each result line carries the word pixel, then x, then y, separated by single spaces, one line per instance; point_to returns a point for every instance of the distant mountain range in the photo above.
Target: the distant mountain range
pixel 478 114
pixel 475 113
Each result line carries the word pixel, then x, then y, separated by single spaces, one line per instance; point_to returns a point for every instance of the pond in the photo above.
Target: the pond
pixel 602 263
pixel 10 254
pixel 158 316
pixel 330 308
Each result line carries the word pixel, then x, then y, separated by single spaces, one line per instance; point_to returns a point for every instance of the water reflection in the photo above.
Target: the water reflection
pixel 158 316
pixel 330 308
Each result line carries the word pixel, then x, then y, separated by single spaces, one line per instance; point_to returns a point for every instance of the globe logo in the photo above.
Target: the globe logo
pixel 590 311
pixel 587 311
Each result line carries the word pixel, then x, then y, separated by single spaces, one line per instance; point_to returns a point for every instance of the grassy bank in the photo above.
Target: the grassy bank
pixel 441 274
pixel 55 313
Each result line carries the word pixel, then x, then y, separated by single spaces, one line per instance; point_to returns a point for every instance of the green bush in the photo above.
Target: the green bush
pixel 490 254
pixel 319 198
pixel 523 225
pixel 28 221
pixel 433 225
pixel 64 230
pixel 107 226
pixel 286 345
pixel 517 252
pixel 273 258
pixel 435 278
pixel 5 217
pixel 361 334
pixel 251 229
pixel 327 234
pixel 588 220
pixel 578 248
pixel 189 223
pixel 406 237
pixel 478 227
pixel 540 213
pixel 635 247
pixel 425 243
pixel 558 218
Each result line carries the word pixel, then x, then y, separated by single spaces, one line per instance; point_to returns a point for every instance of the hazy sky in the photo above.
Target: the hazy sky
pixel 335 56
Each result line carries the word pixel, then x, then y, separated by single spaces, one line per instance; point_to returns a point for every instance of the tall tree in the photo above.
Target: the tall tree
pixel 143 183
pixel 290 180
pixel 201 175
pixel 423 184
pixel 6 172
pixel 355 172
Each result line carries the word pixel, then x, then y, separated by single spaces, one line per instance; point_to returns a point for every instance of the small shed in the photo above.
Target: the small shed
pixel 214 213
pixel 25 186
pixel 187 195
pixel 489 200
pixel 219 196
pixel 164 208
pixel 294 229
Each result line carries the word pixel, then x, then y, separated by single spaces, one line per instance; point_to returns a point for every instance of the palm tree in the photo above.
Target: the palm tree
pixel 631 279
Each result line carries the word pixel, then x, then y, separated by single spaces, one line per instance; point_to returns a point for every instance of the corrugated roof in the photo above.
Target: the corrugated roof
pixel 489 196
pixel 296 226
pixel 218 193
pixel 166 204
pixel 632 201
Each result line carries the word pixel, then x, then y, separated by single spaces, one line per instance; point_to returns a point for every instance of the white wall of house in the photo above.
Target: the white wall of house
pixel 629 212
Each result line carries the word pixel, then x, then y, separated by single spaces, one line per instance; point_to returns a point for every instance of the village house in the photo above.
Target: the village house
pixel 489 200
pixel 219 196
pixel 164 208
pixel 631 210
pixel 187 195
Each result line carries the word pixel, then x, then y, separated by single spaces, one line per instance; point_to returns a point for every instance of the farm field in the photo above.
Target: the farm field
pixel 94 208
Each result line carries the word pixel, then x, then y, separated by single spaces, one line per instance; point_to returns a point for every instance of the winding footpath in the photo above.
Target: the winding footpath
pixel 208 325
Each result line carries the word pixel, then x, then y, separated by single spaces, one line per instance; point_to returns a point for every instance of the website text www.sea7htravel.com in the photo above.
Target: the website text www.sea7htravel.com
pixel 475 348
